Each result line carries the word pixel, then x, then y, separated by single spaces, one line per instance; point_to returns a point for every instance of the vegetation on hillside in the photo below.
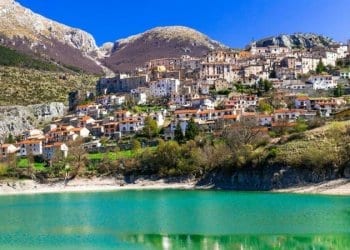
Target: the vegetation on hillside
pixel 22 86
pixel 10 57
pixel 240 146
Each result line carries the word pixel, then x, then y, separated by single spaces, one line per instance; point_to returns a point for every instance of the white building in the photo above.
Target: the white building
pixel 323 82
pixel 165 87
pixel 345 74
pixel 49 150
pixel 30 147
pixel 307 64
pixel 7 149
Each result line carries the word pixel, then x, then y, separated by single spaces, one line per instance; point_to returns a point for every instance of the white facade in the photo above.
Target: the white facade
pixel 307 64
pixel 30 148
pixel 345 74
pixel 165 87
pixel 323 82
pixel 330 58
pixel 49 150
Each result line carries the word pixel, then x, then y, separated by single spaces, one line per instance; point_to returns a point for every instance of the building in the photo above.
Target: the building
pixel 164 87
pixel 323 82
pixel 6 150
pixel 120 83
pixel 168 63
pixel 220 64
pixel 302 102
pixel 30 147
pixel 345 74
pixel 58 147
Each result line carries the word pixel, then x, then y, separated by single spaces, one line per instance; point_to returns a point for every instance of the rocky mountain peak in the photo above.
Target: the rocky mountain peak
pixel 297 40
pixel 16 20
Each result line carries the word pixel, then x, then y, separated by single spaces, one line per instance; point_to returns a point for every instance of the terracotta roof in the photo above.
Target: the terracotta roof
pixel 30 142
pixel 185 111
pixel 229 117
pixel 303 98
pixel 85 106
pixel 86 118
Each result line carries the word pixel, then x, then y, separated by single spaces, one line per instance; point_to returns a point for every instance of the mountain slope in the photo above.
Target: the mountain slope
pixel 161 42
pixel 34 34
pixel 297 40
pixel 10 57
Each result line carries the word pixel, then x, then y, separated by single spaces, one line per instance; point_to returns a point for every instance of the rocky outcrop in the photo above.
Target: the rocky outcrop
pixel 17 119
pixel 297 40
pixel 161 42
pixel 26 31
pixel 267 178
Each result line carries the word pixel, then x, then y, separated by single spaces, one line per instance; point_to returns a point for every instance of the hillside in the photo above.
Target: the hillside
pixel 10 57
pixel 24 86
pixel 161 42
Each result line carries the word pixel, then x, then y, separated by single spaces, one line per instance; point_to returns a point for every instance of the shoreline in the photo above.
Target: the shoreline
pixel 30 187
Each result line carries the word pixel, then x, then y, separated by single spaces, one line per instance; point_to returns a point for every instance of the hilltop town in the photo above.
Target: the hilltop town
pixel 275 90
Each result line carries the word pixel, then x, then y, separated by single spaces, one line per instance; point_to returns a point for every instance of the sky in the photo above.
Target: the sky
pixel 232 22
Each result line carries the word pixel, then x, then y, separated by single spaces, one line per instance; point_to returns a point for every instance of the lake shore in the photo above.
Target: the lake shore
pixel 80 185
pixel 29 187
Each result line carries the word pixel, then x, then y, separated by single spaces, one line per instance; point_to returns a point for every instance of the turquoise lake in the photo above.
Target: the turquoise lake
pixel 174 219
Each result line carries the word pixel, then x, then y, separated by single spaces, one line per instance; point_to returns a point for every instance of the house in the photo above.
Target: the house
pixel 326 106
pixel 111 129
pixel 92 146
pixel 86 120
pixel 87 109
pixel 33 134
pixel 30 147
pixel 323 82
pixel 82 132
pixel 51 149
pixel 287 115
pixel 265 120
pixel 345 74
pixel 130 125
pixel 121 115
pixel 6 150
pixel 302 102
pixel 164 87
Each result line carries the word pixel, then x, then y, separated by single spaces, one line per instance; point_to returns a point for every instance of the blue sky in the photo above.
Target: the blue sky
pixel 234 23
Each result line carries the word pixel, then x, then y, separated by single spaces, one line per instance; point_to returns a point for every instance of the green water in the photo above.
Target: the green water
pixel 171 219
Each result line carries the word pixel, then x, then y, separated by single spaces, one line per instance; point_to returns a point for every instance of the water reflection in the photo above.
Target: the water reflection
pixel 251 242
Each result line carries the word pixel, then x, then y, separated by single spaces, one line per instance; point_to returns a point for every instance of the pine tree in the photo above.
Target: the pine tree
pixel 178 135
pixel 320 67
pixel 191 130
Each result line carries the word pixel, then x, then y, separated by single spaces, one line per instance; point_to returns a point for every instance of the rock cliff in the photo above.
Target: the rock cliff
pixel 17 119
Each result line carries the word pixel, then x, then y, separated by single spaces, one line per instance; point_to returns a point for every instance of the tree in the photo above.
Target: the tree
pixel 265 107
pixel 178 135
pixel 192 130
pixel 150 128
pixel 242 133
pixel 320 67
pixel 10 139
pixel 77 157
pixel 136 145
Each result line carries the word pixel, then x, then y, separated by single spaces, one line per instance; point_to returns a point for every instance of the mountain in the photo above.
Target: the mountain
pixel 33 34
pixel 297 40
pixel 160 42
